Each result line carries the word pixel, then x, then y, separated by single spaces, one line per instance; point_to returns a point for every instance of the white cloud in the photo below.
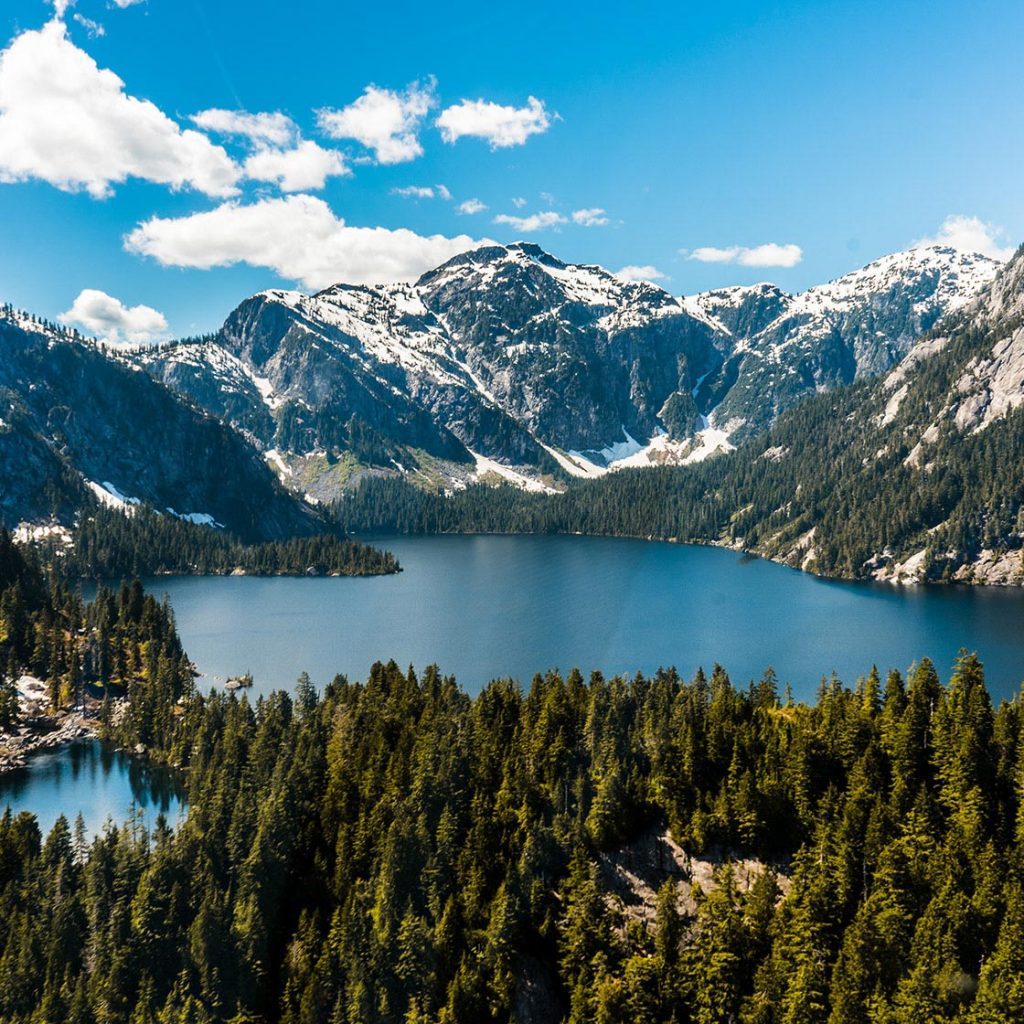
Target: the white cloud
pixel 592 218
pixel 280 154
pixel 519 202
pixel 970 234
pixel 640 273
pixel 414 192
pixel 127 3
pixel 307 166
pixel 534 222
pixel 264 129
pixel 444 193
pixel 500 126
pixel 61 7
pixel 299 237
pixel 471 206
pixel 771 254
pixel 383 120
pixel 68 122
pixel 108 318
pixel 93 28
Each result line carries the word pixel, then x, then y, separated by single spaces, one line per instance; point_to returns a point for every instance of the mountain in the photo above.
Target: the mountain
pixel 503 359
pixel 911 476
pixel 506 362
pixel 79 427
pixel 914 475
pixel 783 347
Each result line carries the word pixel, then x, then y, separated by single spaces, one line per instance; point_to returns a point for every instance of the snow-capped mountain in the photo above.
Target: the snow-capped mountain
pixel 508 361
pixel 915 476
pixel 504 360
pixel 784 346
pixel 77 427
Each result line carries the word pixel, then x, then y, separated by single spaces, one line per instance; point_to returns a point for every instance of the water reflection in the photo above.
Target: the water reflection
pixel 92 779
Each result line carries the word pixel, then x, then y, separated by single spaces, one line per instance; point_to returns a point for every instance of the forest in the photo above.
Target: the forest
pixel 111 544
pixel 828 476
pixel 397 851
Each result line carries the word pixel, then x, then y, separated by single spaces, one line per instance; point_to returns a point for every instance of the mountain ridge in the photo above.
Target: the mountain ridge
pixel 80 428
pixel 508 359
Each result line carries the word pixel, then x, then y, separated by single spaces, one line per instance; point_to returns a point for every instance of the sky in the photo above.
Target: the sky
pixel 160 160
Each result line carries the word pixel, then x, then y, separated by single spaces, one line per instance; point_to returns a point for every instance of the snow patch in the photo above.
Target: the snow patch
pixel 485 466
pixel 111 497
pixel 614 452
pixel 199 518
pixel 273 457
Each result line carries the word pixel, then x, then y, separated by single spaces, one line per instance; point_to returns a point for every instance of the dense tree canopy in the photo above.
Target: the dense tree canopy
pixel 110 544
pixel 397 851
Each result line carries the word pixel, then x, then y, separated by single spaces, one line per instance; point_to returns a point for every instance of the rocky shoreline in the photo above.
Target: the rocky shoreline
pixel 17 748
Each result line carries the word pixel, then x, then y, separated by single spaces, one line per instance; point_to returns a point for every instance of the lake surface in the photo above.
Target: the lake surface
pixel 88 778
pixel 488 606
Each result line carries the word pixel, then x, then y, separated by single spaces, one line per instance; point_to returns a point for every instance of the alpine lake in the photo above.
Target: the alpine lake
pixel 485 607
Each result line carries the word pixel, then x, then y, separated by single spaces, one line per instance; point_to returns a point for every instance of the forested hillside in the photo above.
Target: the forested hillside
pixel 121 645
pixel 112 545
pixel 396 851
pixel 78 426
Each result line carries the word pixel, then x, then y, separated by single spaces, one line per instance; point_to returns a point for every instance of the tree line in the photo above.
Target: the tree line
pixel 398 851
pixel 112 544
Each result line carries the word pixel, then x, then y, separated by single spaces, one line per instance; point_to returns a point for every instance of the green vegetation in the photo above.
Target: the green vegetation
pixel 830 478
pixel 119 645
pixel 111 545
pixel 395 851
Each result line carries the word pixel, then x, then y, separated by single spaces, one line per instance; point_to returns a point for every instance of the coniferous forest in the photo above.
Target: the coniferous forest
pixel 824 470
pixel 646 849
pixel 110 544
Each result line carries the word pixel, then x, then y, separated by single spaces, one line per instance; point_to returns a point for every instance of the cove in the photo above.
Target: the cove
pixel 88 778
pixel 488 606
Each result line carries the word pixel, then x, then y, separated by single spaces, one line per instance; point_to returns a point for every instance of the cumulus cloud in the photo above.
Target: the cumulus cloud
pixel 383 120
pixel 263 129
pixel 635 272
pixel 280 154
pixel 299 237
pixel 771 254
pixel 470 206
pixel 592 218
pixel 66 121
pixel 498 125
pixel 534 222
pixel 102 315
pixel 970 234
pixel 307 166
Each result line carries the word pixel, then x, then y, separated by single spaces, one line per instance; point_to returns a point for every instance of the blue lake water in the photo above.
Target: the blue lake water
pixel 86 777
pixel 488 606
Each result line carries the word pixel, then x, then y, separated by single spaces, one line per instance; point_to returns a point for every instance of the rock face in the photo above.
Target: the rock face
pixel 77 426
pixel 507 357
pixel 915 475
pixel 783 347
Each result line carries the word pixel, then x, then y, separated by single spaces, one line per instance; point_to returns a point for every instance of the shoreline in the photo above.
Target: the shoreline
pixel 17 748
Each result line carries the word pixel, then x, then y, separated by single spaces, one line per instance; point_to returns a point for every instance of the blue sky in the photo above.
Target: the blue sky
pixel 830 132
